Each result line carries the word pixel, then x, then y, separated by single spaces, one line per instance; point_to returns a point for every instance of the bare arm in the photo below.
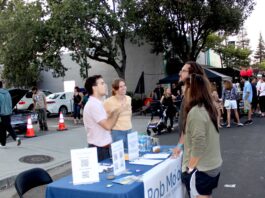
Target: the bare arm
pixel 109 123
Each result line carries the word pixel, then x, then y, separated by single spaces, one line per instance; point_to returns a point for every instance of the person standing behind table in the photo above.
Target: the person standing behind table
pixel 40 106
pixel 97 124
pixel 78 98
pixel 247 98
pixel 5 115
pixel 167 101
pixel 262 96
pixel 123 125
pixel 229 97
pixel 202 159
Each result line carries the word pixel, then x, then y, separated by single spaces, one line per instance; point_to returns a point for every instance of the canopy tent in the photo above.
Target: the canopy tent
pixel 212 75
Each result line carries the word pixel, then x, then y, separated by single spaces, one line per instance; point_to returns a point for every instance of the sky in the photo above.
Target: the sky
pixel 255 24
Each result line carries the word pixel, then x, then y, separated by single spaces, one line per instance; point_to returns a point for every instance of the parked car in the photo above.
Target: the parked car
pixel 60 102
pixel 19 118
pixel 26 101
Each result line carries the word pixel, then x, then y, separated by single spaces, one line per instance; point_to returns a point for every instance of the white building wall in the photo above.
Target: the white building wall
pixel 139 59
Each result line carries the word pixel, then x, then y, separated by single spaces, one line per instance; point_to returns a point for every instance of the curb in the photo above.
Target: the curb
pixel 9 182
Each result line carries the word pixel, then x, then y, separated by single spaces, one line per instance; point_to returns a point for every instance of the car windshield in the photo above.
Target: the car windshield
pixel 53 96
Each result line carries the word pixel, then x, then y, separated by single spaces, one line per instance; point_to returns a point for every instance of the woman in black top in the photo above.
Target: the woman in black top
pixel 78 98
pixel 167 101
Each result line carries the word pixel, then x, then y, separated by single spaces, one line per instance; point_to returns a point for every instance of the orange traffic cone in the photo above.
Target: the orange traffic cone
pixel 30 130
pixel 61 125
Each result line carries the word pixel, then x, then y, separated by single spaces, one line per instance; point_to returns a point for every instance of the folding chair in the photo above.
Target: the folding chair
pixel 30 179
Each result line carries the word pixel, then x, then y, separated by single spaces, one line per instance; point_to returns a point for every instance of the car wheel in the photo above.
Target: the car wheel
pixel 63 109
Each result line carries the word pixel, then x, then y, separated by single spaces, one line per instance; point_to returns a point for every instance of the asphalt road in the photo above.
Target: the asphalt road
pixel 243 152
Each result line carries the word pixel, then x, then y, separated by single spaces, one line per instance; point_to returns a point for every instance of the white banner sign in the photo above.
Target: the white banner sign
pixel 133 147
pixel 164 180
pixel 117 151
pixel 84 165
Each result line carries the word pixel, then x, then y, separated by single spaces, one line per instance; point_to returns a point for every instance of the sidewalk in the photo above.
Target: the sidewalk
pixel 56 145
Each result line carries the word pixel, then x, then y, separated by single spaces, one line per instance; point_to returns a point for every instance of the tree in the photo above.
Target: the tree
pixel 242 39
pixel 182 27
pixel 21 40
pixel 260 52
pixel 230 55
pixel 93 29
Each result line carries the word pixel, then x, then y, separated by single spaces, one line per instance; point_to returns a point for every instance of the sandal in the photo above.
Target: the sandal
pixel 228 126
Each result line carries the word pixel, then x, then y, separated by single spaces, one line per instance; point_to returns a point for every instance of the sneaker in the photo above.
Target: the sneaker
pixel 240 124
pixel 18 141
pixel 3 147
pixel 248 122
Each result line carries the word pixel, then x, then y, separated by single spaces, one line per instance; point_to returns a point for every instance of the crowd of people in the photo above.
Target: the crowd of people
pixel 200 116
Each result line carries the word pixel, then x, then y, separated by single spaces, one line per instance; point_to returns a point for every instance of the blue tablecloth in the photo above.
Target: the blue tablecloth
pixel 64 187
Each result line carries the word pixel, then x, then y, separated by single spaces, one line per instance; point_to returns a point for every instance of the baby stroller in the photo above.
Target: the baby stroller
pixel 157 124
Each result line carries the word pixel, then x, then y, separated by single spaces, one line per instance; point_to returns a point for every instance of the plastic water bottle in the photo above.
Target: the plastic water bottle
pixel 141 143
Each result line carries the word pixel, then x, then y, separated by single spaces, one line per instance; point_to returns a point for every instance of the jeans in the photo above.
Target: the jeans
pixel 121 135
pixel 77 109
pixel 42 118
pixel 6 126
pixel 103 152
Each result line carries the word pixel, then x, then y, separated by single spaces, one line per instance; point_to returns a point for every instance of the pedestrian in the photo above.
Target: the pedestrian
pixel 167 100
pixel 5 115
pixel 189 68
pixel 77 98
pixel 123 125
pixel 97 124
pixel 229 97
pixel 217 103
pixel 202 159
pixel 247 98
pixel 40 106
pixel 158 92
pixel 254 102
pixel 262 96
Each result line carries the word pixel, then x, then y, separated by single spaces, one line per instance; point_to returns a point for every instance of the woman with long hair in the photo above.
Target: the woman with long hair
pixel 123 125
pixel 202 159
pixel 229 97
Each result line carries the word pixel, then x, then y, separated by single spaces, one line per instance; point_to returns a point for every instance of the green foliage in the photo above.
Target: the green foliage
pixel 182 27
pixel 260 52
pixel 93 29
pixel 21 40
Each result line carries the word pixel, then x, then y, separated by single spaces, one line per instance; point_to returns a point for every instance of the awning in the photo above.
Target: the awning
pixel 212 75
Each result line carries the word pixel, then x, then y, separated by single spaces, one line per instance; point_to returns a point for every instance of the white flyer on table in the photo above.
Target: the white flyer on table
pixel 117 151
pixel 133 147
pixel 142 161
pixel 84 165
pixel 156 155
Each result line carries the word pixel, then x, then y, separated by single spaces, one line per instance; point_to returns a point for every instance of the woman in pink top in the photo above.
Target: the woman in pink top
pixel 123 125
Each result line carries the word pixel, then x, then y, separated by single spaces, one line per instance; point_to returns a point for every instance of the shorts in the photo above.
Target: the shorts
pixel 230 104
pixel 199 183
pixel 247 105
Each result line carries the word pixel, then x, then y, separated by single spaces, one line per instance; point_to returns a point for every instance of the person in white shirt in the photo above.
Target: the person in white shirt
pixel 97 124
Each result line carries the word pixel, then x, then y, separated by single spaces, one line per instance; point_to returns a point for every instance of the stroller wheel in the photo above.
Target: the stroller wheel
pixel 148 132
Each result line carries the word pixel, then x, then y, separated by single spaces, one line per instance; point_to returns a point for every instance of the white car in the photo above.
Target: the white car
pixel 26 102
pixel 60 102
